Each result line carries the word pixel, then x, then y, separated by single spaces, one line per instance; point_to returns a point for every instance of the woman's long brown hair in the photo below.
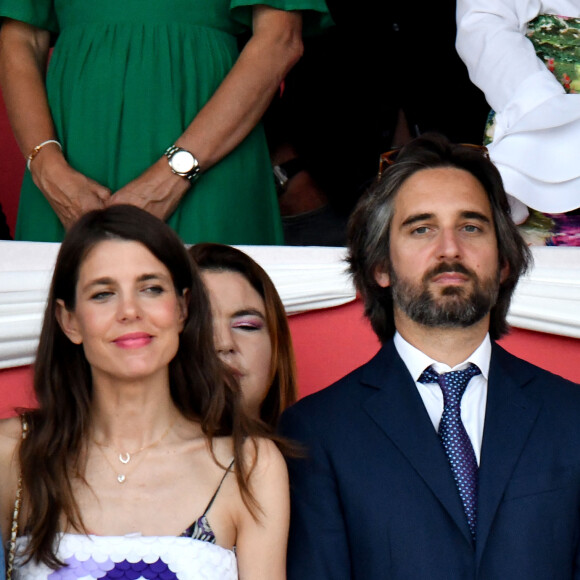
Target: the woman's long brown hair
pixel 54 452
pixel 283 390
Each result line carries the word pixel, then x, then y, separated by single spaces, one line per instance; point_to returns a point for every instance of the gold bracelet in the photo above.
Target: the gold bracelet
pixel 37 149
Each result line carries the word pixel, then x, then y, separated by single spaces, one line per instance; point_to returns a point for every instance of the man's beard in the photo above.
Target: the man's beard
pixel 456 306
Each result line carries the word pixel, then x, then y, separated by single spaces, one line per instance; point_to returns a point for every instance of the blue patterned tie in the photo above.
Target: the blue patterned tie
pixel 454 437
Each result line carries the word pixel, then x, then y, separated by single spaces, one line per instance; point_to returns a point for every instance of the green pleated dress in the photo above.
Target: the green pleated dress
pixel 125 79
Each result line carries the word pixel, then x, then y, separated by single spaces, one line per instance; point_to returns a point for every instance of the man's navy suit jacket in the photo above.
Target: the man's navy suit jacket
pixel 374 498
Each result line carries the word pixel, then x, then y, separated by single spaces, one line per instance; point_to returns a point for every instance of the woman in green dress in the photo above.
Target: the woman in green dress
pixel 148 102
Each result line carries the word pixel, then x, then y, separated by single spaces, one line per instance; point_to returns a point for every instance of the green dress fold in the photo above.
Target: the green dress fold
pixel 124 81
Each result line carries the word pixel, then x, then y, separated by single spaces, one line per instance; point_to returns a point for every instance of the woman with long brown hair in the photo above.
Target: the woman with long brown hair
pixel 251 330
pixel 139 459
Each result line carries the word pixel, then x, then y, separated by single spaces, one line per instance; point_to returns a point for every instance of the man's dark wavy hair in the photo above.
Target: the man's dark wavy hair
pixel 370 224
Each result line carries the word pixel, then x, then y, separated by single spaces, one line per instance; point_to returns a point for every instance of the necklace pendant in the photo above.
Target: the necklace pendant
pixel 125 458
pixel 121 478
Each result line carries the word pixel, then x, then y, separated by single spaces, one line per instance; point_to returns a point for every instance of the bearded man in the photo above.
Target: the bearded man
pixel 444 457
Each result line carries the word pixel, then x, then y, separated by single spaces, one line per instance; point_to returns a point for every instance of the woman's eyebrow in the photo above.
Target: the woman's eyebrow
pixel 152 276
pixel 249 312
pixel 107 280
pixel 104 281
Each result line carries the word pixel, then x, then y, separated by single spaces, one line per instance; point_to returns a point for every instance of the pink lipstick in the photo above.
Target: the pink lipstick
pixel 133 340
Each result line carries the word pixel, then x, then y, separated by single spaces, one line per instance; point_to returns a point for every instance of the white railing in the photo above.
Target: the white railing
pixel 307 278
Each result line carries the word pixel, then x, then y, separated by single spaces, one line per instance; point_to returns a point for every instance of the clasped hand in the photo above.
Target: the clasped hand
pixel 72 194
pixel 157 190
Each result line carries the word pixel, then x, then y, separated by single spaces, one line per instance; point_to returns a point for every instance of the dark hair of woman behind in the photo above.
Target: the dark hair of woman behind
pixel 283 390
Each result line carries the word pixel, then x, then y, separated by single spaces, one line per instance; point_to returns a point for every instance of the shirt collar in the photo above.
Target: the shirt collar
pixel 417 361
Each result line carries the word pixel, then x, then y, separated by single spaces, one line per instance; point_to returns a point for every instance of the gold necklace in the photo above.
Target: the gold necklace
pixel 121 477
pixel 126 457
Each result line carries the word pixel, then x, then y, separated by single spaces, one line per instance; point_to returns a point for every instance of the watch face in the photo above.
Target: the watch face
pixel 183 162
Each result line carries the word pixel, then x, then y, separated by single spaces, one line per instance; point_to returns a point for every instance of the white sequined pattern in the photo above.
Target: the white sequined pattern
pixel 132 557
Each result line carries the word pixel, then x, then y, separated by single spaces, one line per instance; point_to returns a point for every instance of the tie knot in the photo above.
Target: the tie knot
pixel 453 384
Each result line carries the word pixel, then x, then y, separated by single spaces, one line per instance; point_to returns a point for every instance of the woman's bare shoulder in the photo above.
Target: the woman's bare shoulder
pixel 258 453
pixel 264 455
pixel 10 436
pixel 263 532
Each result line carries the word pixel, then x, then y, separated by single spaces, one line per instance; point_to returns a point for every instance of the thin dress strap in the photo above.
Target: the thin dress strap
pixel 201 529
pixel 218 488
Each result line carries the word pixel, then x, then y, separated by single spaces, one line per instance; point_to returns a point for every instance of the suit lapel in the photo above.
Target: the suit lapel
pixel 509 418
pixel 397 408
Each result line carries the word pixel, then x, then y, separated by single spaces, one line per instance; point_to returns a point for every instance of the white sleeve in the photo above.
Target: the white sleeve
pixel 500 59
pixel 536 139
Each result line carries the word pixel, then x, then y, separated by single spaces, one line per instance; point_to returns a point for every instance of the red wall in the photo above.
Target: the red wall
pixel 330 343
pixel 12 167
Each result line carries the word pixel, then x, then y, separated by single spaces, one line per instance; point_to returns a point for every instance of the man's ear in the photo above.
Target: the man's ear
pixel 504 272
pixel 382 278
pixel 67 321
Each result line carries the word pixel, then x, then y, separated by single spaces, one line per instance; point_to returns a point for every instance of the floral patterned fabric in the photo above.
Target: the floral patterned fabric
pixel 556 40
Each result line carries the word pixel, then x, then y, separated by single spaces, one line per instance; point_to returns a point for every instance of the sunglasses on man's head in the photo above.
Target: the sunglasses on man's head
pixel 390 157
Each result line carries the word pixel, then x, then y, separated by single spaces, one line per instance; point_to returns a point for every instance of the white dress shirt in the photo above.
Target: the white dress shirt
pixel 537 126
pixel 474 399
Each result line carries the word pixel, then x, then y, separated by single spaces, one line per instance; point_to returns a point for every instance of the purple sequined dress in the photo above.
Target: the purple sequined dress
pixel 133 557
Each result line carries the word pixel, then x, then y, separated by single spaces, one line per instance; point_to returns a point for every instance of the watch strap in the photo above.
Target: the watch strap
pixel 292 167
pixel 284 172
pixel 171 150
